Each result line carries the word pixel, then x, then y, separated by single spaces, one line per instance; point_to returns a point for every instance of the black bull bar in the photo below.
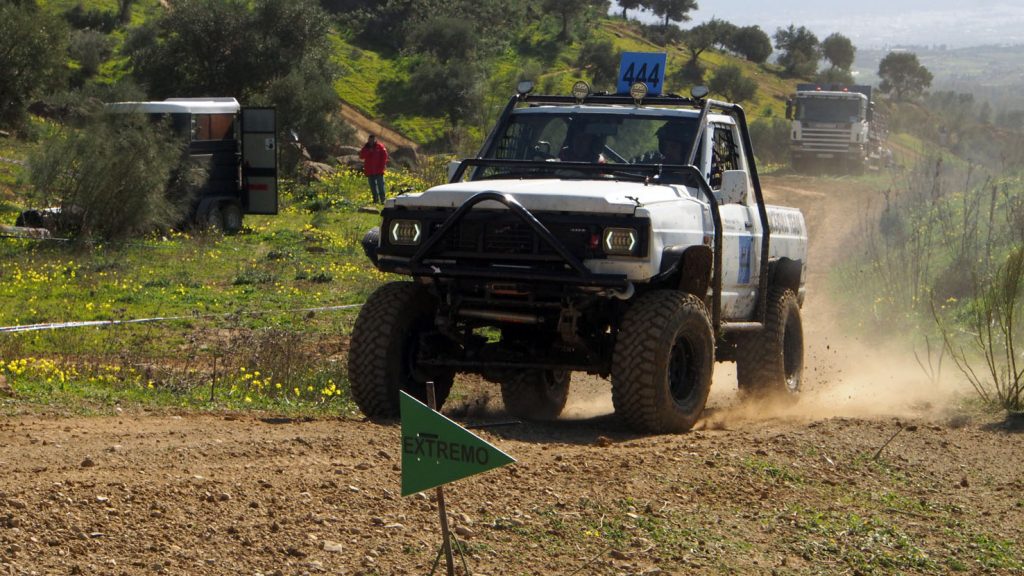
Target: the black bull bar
pixel 576 274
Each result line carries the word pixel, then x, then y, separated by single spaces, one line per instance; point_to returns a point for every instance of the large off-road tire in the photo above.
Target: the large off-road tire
pixel 536 394
pixel 662 364
pixel 385 343
pixel 771 364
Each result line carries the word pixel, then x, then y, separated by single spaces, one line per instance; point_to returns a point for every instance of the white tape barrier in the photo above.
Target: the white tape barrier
pixel 87 323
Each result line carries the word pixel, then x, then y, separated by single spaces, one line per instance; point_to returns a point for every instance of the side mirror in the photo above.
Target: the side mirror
pixel 735 186
pixel 453 166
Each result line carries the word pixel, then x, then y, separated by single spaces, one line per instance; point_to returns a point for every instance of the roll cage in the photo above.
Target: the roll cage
pixel 691 175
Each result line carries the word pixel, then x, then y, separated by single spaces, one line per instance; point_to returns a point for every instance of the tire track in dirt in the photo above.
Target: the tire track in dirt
pixel 364 125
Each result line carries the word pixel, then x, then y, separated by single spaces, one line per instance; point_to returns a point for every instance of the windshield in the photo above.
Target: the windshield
pixel 612 140
pixel 823 109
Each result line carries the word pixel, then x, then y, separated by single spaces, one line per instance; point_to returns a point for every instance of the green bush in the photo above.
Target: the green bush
pixel 118 176
pixel 730 82
pixel 770 139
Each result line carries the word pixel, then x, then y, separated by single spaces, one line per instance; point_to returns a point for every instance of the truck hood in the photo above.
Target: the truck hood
pixel 544 195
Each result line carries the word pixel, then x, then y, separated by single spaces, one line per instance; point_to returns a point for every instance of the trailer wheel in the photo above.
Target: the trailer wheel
pixel 223 216
pixel 231 214
pixel 771 364
pixel 383 351
pixel 536 394
pixel 662 363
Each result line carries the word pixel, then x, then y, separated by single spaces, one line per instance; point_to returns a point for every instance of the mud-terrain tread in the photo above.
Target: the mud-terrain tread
pixel 760 361
pixel 526 394
pixel 642 357
pixel 376 368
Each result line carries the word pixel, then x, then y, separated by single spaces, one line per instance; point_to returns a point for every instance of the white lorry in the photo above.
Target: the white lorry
pixel 832 126
pixel 581 239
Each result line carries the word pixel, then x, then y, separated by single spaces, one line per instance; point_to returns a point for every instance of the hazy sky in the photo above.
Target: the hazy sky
pixel 879 23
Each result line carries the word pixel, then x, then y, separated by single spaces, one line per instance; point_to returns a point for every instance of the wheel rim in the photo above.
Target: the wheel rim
pixel 414 377
pixel 682 371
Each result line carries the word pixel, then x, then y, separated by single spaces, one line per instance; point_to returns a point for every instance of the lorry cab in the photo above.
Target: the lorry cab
pixel 235 145
pixel 831 124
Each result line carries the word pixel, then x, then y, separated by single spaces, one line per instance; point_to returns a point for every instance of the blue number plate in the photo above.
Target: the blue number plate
pixel 646 67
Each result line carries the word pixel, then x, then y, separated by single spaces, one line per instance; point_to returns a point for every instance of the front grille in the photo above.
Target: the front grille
pixel 462 238
pixel 509 238
pixel 826 139
pixel 486 237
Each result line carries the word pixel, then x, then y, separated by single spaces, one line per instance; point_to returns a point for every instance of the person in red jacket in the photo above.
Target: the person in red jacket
pixel 375 160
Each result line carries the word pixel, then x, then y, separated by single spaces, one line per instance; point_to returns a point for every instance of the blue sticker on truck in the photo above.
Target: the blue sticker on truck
pixel 746 253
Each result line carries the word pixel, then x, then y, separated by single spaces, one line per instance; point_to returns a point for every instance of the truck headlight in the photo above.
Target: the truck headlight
pixel 405 232
pixel 620 241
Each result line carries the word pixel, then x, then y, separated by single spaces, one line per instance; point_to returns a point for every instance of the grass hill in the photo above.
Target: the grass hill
pixel 363 69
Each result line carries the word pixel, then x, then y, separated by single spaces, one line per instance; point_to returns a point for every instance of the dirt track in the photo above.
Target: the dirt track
pixel 807 490
pixel 365 126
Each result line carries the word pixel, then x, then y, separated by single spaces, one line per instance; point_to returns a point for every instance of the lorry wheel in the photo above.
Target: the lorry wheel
pixel 662 363
pixel 771 363
pixel 536 394
pixel 384 347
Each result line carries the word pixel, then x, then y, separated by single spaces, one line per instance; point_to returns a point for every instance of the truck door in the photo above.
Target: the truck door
pixel 259 160
pixel 740 250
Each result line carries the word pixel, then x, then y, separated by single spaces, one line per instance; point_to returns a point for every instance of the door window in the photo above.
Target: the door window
pixel 724 155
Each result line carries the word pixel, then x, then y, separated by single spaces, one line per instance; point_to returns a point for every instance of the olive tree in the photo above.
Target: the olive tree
pixel 33 49
pixel 118 176
pixel 671 10
pixel 838 50
pixel 752 43
pixel 730 82
pixel 253 51
pixel 903 75
pixel 800 50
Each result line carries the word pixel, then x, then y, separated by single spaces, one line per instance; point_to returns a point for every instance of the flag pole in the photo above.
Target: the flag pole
pixel 445 534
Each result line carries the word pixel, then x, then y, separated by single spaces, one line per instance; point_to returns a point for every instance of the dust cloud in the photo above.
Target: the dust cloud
pixel 843 378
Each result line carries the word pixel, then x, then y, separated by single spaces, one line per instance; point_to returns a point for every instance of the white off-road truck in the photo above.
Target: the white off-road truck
pixel 618 235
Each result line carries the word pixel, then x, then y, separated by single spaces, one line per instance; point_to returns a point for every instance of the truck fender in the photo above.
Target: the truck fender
pixel 687 268
pixel 786 273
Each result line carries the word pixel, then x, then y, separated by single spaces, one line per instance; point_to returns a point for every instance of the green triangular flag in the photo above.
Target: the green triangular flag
pixel 436 450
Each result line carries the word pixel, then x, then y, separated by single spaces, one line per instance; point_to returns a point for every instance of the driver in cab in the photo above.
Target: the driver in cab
pixel 583 146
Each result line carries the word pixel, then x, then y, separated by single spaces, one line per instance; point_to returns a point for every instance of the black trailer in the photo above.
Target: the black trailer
pixel 238 148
